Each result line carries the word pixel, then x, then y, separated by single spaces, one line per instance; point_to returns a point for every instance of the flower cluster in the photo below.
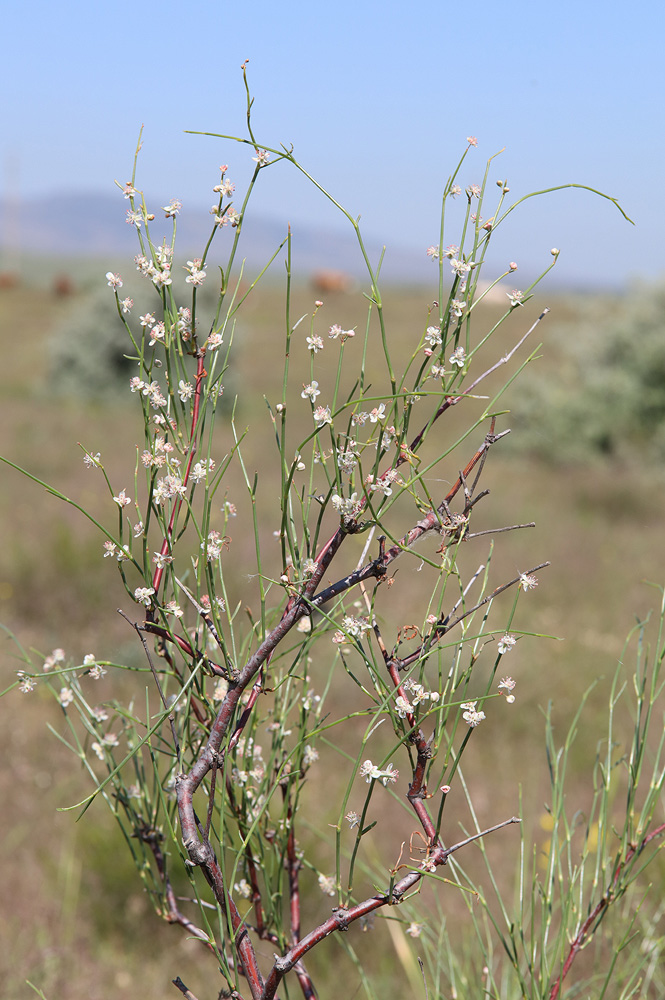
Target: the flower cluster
pixel 150 389
pixel 370 772
pixel 471 715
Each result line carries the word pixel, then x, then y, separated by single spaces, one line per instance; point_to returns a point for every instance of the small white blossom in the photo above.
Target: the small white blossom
pixel 471 715
pixel 515 297
pixel 196 275
pixel 507 684
pixel 143 595
pixel 378 413
pixel 402 706
pixel 161 560
pixel 460 268
pixel 262 157
pixel 355 627
pixel 113 280
pixel 122 499
pixel 314 344
pixel 458 357
pixel 98 749
pixel 27 685
pixel 311 391
pixel 353 819
pixel 369 771
pixel 214 341
pixel 414 930
pixel 322 416
pixel 327 884
pixel 91 461
pixel 527 582
pixel 506 643
pixel 172 209
pixel 243 888
pixel 309 756
pixel 66 696
pixel 346 507
pixel 433 336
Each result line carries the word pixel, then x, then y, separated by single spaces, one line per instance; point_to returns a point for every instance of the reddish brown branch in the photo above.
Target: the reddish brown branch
pixel 600 909
pixel 172 914
pixel 343 917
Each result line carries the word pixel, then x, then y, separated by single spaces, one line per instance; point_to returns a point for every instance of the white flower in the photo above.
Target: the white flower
pixel 369 771
pixel 173 208
pixel 161 560
pixel 122 499
pixel 97 672
pixel 114 280
pixel 27 685
pixel 196 275
pixel 402 706
pixel 262 157
pixel 414 930
pixel 433 336
pixel 90 461
pixel 355 627
pixel 314 344
pixel 322 416
pixel 243 888
pixel 378 413
pixel 173 609
pixel 143 595
pixel 311 391
pixel 508 684
pixel 458 357
pixel 327 884
pixel 470 715
pixel 66 696
pixel 515 297
pixel 346 507
pixel 185 390
pixel 460 267
pixel 98 749
pixel 390 774
pixel 353 819
pixel 309 756
pixel 527 582
pixel 506 643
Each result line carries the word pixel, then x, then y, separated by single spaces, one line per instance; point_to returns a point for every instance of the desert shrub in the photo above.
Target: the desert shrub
pixel 607 396
pixel 253 768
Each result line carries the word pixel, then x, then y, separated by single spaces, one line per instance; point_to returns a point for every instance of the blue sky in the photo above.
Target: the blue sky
pixel 377 99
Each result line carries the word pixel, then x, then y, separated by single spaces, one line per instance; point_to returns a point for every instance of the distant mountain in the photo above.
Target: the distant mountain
pixel 92 226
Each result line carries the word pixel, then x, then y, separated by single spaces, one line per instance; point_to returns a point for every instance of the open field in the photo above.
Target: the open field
pixel 73 916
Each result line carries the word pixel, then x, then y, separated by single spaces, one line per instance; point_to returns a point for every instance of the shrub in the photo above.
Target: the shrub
pixel 261 715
